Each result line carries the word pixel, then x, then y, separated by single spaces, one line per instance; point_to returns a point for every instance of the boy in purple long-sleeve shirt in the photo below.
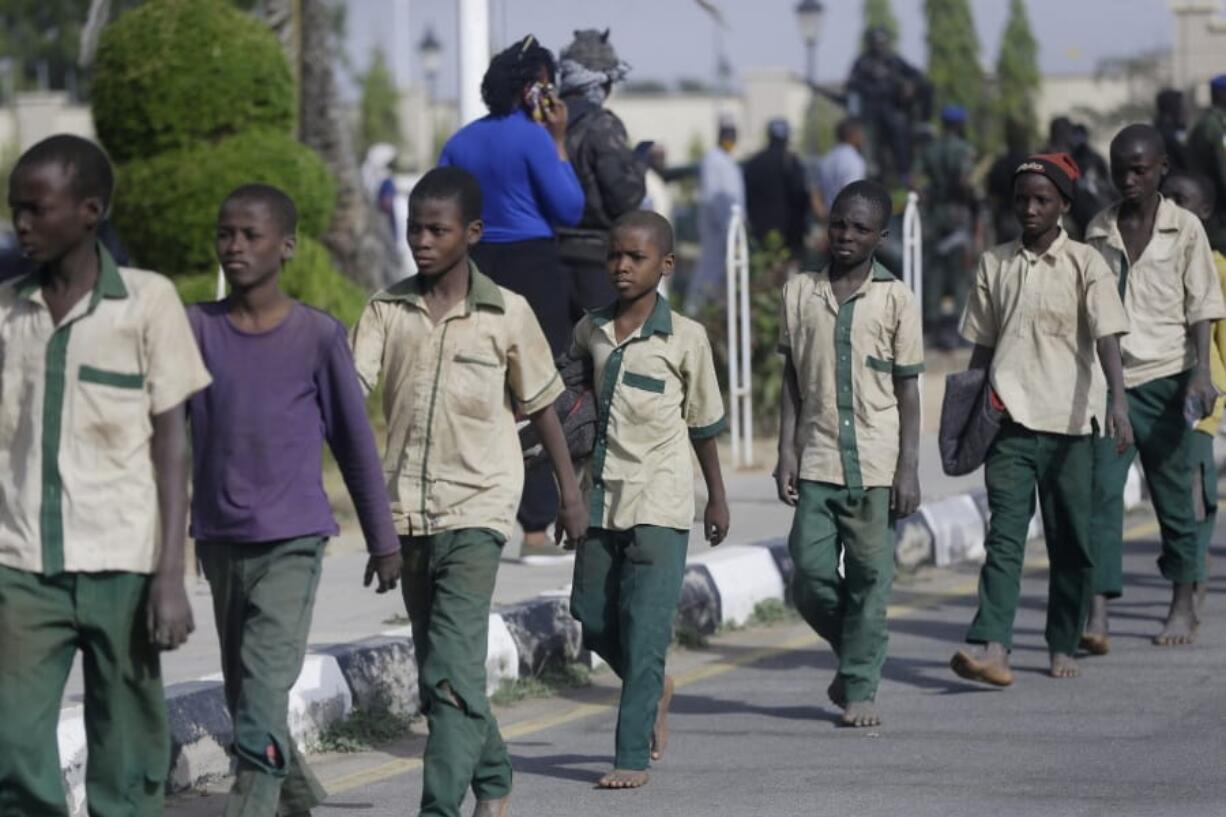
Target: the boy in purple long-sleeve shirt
pixel 283 383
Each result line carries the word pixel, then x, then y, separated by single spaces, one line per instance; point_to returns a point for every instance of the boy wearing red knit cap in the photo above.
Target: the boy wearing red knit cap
pixel 1169 285
pixel 1044 309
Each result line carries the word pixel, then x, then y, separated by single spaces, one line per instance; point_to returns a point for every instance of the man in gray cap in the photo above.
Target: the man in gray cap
pixel 776 193
pixel 611 175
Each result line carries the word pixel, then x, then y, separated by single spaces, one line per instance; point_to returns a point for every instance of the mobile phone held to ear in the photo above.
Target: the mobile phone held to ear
pixel 539 100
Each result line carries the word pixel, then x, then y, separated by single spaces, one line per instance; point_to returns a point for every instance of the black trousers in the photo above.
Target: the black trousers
pixel 532 269
pixel 584 260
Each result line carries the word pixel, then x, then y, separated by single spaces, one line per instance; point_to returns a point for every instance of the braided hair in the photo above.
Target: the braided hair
pixel 513 70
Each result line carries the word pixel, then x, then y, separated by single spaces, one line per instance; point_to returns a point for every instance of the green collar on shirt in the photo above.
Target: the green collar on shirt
pixel 660 321
pixel 482 291
pixel 109 284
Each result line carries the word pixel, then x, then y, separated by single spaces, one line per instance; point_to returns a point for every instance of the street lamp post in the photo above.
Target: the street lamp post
pixel 809 20
pixel 430 50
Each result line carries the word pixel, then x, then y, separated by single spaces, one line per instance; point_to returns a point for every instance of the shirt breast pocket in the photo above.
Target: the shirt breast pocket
pixel 112 412
pixel 477 384
pixel 643 396
pixel 1165 278
pixel 1058 310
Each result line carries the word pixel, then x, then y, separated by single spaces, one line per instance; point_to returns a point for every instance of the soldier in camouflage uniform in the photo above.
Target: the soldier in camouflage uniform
pixel 890 96
pixel 949 222
pixel 612 176
pixel 1206 154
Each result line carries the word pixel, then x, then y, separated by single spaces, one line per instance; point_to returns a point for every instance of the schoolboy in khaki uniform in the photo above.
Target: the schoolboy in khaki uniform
pixel 1164 268
pixel 1194 192
pixel 96 362
pixel 1044 309
pixel 457 355
pixel 657 395
pixel 849 440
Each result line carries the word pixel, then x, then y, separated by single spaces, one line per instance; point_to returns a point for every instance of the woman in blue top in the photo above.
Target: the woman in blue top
pixel 528 186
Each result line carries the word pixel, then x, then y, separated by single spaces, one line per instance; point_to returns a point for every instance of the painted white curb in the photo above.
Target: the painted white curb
pixel 744 575
pixel 1133 495
pixel 958 530
pixel 70 735
pixel 502 656
pixel 319 697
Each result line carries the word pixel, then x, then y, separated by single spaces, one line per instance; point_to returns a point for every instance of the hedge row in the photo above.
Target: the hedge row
pixel 310 278
pixel 172 73
pixel 166 206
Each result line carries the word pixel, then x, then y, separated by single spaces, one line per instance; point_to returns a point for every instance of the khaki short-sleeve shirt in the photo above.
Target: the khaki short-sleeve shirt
pixel 78 491
pixel 1042 314
pixel 451 392
pixel 1170 287
pixel 656 391
pixel 846 358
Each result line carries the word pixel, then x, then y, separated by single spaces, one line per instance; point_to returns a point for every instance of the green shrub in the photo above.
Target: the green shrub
pixel 166 206
pixel 172 73
pixel 197 287
pixel 313 279
pixel 310 278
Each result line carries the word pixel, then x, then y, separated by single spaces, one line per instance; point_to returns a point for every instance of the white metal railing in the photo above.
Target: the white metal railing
pixel 913 247
pixel 740 360
pixel 913 263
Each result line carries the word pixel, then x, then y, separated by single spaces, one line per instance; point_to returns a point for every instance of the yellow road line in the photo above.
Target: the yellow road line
pixel 705 672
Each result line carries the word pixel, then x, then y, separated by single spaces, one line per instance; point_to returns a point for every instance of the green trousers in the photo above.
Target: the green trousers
pixel 848 611
pixel 44 620
pixel 625 593
pixel 1060 466
pixel 944 274
pixel 263 597
pixel 1162 439
pixel 1204 498
pixel 448 583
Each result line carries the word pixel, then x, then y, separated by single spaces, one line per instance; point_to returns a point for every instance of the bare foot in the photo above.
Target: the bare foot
pixel 836 693
pixel 989 666
pixel 1094 638
pixel 1181 621
pixel 1063 666
pixel 659 733
pixel 860 714
pixel 623 779
pixel 493 808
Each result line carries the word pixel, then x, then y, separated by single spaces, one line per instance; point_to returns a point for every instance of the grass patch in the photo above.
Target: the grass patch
pixel 548 683
pixel 363 730
pixel 770 612
pixel 690 639
pixel 766 613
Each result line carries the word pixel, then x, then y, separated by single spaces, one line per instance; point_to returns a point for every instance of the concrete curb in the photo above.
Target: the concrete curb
pixel 721 588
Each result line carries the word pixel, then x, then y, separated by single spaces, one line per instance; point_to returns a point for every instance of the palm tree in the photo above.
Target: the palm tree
pixel 358 238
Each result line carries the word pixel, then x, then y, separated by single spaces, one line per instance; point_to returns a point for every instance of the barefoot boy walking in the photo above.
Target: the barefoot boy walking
pixel 283 384
pixel 458 354
pixel 1164 268
pixel 95 364
pixel 1194 193
pixel 849 440
pixel 1042 309
pixel 657 397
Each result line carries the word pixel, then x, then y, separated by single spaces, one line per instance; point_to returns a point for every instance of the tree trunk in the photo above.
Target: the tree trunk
pixel 358 236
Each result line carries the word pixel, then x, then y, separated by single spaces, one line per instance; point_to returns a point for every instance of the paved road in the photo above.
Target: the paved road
pixel 1142 733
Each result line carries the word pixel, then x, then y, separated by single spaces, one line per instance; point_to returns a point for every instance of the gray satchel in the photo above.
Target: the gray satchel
pixel 969 422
